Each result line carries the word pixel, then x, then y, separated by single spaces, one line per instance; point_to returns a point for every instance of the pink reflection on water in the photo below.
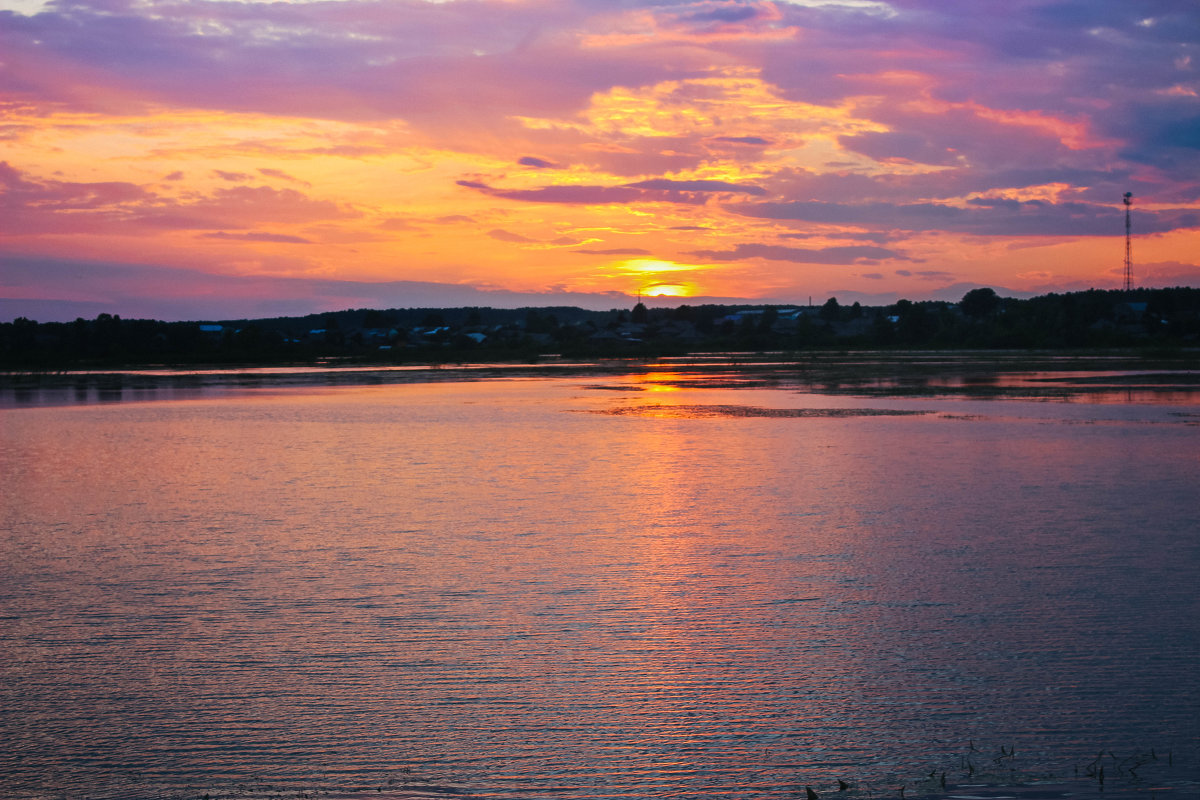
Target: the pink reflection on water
pixel 475 579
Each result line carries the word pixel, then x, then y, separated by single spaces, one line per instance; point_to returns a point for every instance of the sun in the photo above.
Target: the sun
pixel 667 290
pixel 656 277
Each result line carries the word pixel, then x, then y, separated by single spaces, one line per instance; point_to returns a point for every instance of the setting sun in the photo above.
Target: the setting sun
pixel 660 278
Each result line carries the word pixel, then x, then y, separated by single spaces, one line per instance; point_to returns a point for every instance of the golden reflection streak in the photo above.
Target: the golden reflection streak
pixel 658 382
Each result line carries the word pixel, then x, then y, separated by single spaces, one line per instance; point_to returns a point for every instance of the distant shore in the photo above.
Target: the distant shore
pixel 1157 320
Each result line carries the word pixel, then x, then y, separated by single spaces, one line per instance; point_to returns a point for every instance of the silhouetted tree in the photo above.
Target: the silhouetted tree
pixel 979 302
pixel 540 323
pixel 377 319
pixel 334 335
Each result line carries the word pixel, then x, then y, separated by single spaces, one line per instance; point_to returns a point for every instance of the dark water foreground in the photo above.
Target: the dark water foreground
pixel 684 579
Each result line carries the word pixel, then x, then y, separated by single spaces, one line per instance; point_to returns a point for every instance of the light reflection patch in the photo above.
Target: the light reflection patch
pixel 706 411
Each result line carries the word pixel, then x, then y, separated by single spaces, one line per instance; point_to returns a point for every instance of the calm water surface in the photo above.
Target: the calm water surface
pixel 623 585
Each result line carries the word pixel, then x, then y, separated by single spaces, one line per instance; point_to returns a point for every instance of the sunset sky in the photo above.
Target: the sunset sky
pixel 188 159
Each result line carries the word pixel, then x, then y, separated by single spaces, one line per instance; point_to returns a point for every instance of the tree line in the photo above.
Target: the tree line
pixel 981 319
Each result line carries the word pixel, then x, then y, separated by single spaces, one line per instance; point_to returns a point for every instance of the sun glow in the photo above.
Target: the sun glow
pixel 668 290
pixel 650 266
pixel 655 277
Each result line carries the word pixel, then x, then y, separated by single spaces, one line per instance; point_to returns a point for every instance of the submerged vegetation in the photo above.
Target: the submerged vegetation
pixel 984 773
pixel 1150 318
pixel 975 774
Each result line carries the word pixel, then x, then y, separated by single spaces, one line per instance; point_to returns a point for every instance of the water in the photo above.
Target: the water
pixel 651 583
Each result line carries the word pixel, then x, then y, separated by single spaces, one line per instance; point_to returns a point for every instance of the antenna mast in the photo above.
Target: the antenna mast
pixel 1128 243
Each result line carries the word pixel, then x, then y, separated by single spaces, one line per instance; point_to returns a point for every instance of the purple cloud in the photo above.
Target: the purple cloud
pixel 908 147
pixel 753 141
pixel 716 17
pixel 538 163
pixel 877 238
pixel 588 195
pixel 1000 218
pixel 662 184
pixel 653 190
pixel 853 254
pixel 930 274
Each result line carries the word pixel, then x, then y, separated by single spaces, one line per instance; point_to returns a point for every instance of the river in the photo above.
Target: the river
pixel 675 580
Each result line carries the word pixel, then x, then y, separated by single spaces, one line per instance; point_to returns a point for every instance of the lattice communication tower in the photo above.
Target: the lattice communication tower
pixel 1128 243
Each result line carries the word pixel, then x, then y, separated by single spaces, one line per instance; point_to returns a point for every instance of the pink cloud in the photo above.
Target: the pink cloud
pixel 33 206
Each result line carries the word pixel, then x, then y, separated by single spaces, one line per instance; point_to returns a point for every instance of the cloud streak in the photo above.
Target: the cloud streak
pixel 852 254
